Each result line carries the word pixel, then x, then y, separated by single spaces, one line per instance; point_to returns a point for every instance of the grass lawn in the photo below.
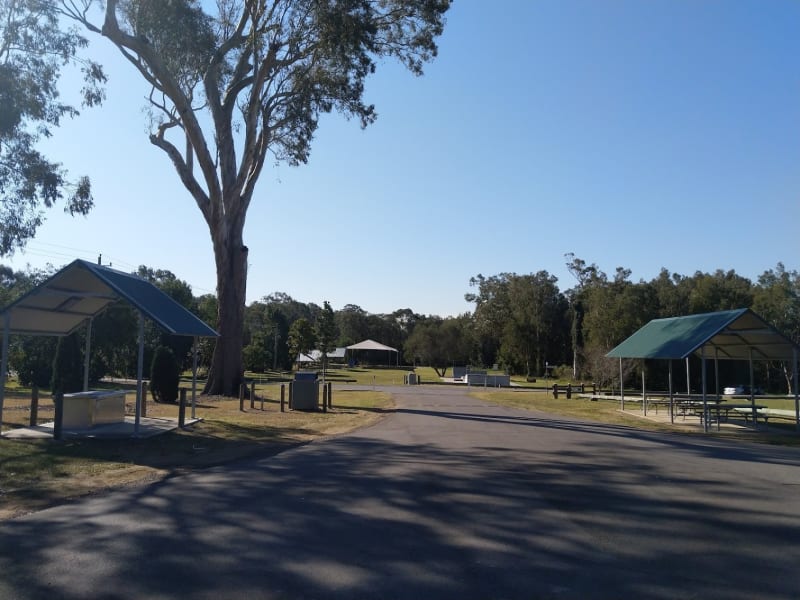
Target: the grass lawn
pixel 39 473
pixel 607 411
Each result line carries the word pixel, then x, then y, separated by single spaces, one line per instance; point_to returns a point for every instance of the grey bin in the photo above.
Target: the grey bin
pixel 305 391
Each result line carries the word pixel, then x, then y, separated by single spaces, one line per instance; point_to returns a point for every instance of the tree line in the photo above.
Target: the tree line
pixel 525 324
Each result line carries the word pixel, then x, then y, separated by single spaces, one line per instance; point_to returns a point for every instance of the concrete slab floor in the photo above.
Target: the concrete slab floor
pixel 148 427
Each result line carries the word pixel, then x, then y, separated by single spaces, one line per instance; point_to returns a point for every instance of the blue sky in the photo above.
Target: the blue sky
pixel 641 134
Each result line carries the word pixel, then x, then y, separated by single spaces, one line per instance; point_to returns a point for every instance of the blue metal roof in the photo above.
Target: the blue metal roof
pixel 82 289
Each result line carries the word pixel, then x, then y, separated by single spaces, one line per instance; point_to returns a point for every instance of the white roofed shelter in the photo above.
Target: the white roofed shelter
pixel 77 293
pixel 371 345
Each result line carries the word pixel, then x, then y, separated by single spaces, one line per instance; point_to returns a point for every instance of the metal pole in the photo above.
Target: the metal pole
pixel 139 376
pixel 716 383
pixel 671 396
pixel 644 395
pixel 194 377
pixel 703 378
pixel 752 394
pixel 4 364
pixel 87 354
pixel 796 393
pixel 688 384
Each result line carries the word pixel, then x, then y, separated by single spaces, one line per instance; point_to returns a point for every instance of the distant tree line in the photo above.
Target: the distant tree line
pixel 524 324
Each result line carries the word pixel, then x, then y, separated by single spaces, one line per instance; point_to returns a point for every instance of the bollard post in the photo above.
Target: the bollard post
pixel 253 394
pixel 290 395
pixel 241 397
pixel 283 397
pixel 58 402
pixel 583 388
pixel 569 391
pixel 594 389
pixel 34 405
pixel 555 391
pixel 325 398
pixel 330 394
pixel 181 407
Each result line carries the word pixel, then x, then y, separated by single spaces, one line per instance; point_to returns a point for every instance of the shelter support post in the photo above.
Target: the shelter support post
pixel 139 376
pixel 671 395
pixel 644 393
pixel 796 392
pixel 688 385
pixel 4 365
pixel 703 391
pixel 717 397
pixel 621 386
pixel 87 354
pixel 194 376
pixel 752 392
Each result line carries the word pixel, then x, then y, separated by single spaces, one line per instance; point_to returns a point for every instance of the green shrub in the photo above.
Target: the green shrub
pixel 165 375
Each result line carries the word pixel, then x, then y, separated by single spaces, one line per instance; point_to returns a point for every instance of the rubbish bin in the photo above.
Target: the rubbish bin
pixel 411 379
pixel 305 391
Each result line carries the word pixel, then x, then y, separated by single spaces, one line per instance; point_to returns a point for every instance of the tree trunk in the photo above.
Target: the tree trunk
pixel 227 370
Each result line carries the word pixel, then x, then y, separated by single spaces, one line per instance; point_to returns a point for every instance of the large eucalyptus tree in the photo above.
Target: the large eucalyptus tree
pixel 234 81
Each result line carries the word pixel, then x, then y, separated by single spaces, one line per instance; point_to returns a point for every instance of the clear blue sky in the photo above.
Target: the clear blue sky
pixel 652 134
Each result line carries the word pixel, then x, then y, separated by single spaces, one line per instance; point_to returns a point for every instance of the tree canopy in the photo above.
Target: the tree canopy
pixel 33 51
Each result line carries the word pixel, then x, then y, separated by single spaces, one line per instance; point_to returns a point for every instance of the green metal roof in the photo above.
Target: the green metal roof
pixel 731 334
pixel 82 289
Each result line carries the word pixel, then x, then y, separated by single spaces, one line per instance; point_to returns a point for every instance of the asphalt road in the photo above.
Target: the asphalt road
pixel 446 498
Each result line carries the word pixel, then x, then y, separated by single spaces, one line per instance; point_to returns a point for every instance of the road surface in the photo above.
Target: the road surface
pixel 447 497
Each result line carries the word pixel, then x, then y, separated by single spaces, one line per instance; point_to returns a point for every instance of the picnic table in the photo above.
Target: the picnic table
pixel 717 410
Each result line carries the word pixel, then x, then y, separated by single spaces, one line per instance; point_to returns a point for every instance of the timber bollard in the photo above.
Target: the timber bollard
pixel 555 391
pixel 290 396
pixel 181 407
pixel 325 398
pixel 34 405
pixel 283 397
pixel 253 395
pixel 330 394
pixel 58 402
pixel 569 391
pixel 241 397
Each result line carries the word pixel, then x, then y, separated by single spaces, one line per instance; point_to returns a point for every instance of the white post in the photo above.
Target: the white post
pixel 644 394
pixel 688 384
pixel 752 393
pixel 671 399
pixel 796 393
pixel 621 392
pixel 4 364
pixel 194 376
pixel 139 376
pixel 703 379
pixel 86 354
